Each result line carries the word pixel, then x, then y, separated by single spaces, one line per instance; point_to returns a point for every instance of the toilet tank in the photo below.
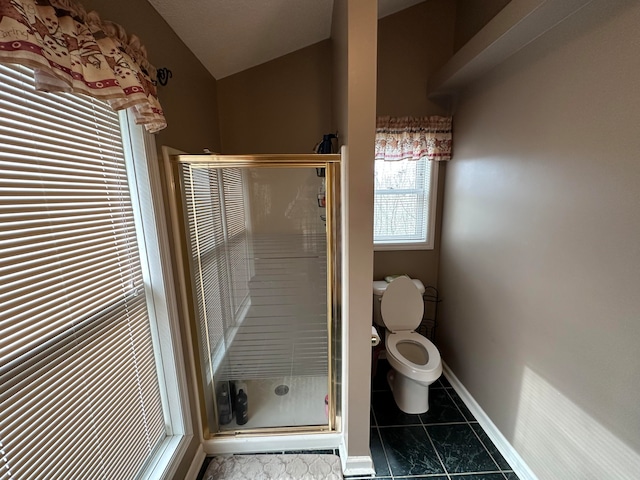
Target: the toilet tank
pixel 379 286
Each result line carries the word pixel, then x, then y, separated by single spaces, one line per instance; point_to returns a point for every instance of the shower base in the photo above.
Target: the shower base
pixel 302 405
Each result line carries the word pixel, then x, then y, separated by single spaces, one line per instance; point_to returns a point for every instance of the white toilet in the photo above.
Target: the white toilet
pixel 415 361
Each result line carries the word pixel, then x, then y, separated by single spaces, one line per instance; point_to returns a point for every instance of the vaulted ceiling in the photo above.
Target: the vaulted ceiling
pixel 229 36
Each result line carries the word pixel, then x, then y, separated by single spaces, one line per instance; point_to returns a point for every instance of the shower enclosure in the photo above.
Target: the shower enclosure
pixel 258 236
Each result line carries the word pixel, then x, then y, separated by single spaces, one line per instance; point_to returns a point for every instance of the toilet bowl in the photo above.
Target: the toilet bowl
pixel 414 359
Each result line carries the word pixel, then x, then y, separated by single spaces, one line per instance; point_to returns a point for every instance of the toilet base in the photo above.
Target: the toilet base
pixel 410 396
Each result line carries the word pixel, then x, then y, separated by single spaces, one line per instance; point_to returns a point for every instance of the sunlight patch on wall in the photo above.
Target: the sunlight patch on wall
pixel 558 440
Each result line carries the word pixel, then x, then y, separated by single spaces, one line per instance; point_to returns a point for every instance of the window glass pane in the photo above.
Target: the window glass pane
pixel 398 217
pixel 399 175
pixel 401 205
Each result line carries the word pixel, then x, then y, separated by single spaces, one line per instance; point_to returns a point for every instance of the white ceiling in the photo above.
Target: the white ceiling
pixel 229 36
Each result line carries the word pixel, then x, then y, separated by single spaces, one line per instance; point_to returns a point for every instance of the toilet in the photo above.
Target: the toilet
pixel 415 361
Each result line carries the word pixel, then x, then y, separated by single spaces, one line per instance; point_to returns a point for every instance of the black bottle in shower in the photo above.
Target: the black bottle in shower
pixel 242 408
pixel 224 404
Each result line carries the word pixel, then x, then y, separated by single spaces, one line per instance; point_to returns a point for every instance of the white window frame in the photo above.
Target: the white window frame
pixel 152 232
pixel 430 209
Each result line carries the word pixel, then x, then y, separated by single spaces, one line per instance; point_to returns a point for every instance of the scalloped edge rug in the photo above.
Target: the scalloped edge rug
pixel 291 466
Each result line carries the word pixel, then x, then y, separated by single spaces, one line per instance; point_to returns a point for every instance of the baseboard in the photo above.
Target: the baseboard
pixel 196 464
pixel 355 466
pixel 502 444
pixel 229 445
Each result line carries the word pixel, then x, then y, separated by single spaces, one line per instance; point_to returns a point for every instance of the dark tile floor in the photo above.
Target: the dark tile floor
pixel 446 443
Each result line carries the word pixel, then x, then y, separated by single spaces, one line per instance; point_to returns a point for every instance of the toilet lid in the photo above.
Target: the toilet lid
pixel 402 305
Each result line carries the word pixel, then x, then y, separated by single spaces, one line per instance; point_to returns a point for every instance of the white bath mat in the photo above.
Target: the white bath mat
pixel 275 467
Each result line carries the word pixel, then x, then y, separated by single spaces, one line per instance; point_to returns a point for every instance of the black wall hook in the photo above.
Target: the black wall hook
pixel 164 74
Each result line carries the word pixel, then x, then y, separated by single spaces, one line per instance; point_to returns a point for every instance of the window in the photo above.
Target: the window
pixel 82 327
pixel 215 207
pixel 404 204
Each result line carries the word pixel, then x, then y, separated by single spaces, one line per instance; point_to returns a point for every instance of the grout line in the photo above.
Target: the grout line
pixel 468 423
pixel 425 424
pixel 435 450
pixel 484 472
pixel 380 390
pixel 384 450
pixel 485 448
pixel 456 405
pixel 400 426
pixel 445 423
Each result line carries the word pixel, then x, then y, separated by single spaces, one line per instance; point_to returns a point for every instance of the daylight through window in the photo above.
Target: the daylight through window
pixel 403 204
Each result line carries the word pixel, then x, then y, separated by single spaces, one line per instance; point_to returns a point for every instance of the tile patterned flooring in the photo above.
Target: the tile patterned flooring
pixel 446 443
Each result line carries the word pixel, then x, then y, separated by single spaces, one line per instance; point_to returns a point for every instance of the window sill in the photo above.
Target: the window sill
pixel 169 454
pixel 386 247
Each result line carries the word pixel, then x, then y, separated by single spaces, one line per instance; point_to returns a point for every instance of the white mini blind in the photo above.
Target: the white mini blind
pixel 401 201
pixel 237 236
pixel 206 240
pixel 79 393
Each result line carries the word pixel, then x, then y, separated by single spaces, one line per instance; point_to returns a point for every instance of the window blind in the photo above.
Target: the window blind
pixel 237 241
pixel 206 239
pixel 401 201
pixel 79 393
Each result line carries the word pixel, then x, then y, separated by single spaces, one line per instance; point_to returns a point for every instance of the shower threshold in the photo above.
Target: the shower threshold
pixel 269 406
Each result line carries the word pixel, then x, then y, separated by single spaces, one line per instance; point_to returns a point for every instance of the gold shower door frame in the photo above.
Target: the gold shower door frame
pixel 183 277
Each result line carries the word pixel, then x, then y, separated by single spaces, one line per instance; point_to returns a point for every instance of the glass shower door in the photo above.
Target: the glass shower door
pixel 260 263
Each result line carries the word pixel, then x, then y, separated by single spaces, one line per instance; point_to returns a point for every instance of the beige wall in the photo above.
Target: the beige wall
pixel 340 69
pixel 412 44
pixel 282 106
pixel 285 201
pixel 354 35
pixel 339 115
pixel 472 15
pixel 540 264
pixel 188 100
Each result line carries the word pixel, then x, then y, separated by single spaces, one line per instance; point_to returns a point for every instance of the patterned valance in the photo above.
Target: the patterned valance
pixel 75 51
pixel 413 138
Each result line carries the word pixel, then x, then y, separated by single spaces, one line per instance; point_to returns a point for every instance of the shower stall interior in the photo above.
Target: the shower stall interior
pixel 258 236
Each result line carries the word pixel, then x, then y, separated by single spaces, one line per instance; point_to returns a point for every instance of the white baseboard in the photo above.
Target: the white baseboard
pixel 352 465
pixel 295 441
pixel 502 444
pixel 196 464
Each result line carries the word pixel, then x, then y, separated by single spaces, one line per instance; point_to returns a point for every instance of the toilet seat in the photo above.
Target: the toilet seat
pixel 402 308
pixel 427 373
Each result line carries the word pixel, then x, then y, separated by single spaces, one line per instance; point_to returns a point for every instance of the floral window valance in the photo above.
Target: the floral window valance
pixel 413 138
pixel 75 51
